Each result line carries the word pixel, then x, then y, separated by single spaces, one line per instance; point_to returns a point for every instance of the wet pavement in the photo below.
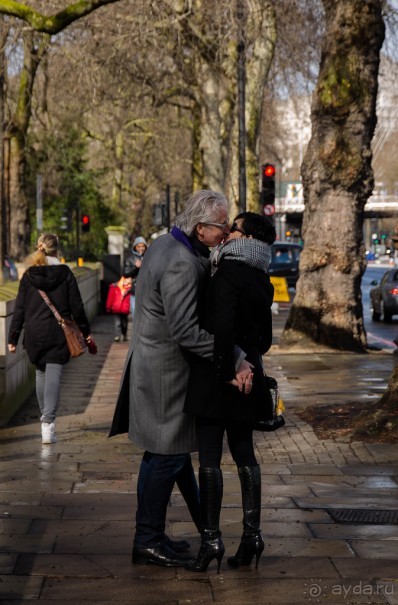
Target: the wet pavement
pixel 67 509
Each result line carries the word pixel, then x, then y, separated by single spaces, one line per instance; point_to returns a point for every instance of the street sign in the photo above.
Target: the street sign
pixel 281 293
pixel 269 210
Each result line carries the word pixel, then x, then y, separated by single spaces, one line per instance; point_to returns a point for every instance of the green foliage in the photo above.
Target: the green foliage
pixel 69 187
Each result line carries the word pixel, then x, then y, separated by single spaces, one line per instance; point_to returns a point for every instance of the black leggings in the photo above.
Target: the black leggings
pixel 240 440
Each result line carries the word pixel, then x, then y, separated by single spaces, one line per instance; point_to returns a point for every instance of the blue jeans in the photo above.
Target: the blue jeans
pixel 156 479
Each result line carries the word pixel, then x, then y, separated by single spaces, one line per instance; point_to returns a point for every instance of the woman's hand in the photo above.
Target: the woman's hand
pixel 243 382
pixel 91 346
pixel 12 348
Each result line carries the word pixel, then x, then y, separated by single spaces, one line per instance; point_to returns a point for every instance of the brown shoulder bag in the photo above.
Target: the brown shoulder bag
pixel 74 337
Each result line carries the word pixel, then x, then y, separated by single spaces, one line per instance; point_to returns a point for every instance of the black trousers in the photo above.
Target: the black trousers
pixel 156 479
pixel 211 434
pixel 121 323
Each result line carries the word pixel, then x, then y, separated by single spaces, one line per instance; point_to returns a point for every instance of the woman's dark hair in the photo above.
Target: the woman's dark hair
pixel 257 226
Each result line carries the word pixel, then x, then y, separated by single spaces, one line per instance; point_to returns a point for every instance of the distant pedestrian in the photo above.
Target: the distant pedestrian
pixel 44 338
pixel 133 264
pixel 118 303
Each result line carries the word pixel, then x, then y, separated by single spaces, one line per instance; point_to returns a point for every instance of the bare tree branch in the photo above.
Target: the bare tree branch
pixel 52 24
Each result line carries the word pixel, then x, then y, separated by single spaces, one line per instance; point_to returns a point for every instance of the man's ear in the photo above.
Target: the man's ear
pixel 199 231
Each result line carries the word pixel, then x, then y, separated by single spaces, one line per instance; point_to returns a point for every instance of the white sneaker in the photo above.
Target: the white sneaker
pixel 48 432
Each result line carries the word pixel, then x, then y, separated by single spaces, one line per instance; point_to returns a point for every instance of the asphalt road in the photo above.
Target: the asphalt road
pixel 379 334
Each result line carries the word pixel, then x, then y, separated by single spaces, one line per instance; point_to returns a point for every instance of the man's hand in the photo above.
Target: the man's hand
pixel 12 348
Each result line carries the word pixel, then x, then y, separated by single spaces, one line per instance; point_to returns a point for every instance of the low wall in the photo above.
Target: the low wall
pixel 17 375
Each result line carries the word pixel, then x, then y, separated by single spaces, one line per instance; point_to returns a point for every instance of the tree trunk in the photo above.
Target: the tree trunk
pixel 3 214
pixel 260 41
pixel 197 161
pixel 338 179
pixel 210 128
pixel 18 128
pixel 262 15
pixel 117 185
pixel 20 227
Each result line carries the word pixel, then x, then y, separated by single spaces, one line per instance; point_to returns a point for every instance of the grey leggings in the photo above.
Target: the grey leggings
pixel 48 384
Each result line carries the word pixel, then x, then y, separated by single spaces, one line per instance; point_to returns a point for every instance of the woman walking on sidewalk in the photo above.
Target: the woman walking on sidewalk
pixel 44 338
pixel 237 311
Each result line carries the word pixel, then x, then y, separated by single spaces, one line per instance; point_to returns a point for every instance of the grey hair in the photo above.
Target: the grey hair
pixel 201 207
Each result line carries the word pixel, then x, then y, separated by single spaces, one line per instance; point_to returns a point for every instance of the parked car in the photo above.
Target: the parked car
pixel 285 261
pixel 384 296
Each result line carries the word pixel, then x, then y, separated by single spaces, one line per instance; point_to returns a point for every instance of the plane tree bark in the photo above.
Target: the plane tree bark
pixel 51 24
pixel 338 179
pixel 208 38
pixel 17 128
pixel 380 420
pixel 261 36
pixel 3 209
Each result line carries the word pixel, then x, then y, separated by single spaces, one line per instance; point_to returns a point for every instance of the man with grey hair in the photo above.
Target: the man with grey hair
pixel 155 378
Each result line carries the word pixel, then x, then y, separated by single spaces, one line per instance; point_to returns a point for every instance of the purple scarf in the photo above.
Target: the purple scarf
pixel 184 239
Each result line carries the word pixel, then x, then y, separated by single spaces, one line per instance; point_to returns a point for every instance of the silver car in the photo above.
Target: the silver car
pixel 384 296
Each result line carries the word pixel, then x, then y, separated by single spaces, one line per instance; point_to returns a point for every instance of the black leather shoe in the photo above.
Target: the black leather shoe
pixel 159 554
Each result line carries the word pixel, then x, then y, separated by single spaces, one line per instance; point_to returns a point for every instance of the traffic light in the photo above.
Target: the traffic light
pixel 85 223
pixel 268 188
pixel 66 219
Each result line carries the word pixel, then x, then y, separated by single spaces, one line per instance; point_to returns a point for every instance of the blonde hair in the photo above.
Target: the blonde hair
pixel 47 245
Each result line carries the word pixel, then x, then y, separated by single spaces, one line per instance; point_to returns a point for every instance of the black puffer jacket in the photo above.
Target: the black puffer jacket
pixel 44 338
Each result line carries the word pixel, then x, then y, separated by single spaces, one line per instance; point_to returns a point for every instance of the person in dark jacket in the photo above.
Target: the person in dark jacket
pixel 237 310
pixel 133 264
pixel 44 338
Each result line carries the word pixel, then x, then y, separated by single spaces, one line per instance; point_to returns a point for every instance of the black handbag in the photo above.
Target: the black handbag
pixel 278 420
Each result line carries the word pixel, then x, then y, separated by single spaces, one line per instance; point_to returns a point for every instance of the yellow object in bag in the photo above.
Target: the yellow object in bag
pixel 280 408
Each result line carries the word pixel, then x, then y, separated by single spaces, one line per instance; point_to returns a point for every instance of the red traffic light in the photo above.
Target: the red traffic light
pixel 269 170
pixel 85 223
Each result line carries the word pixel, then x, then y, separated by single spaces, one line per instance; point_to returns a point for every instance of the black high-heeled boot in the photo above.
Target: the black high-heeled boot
pixel 251 543
pixel 211 491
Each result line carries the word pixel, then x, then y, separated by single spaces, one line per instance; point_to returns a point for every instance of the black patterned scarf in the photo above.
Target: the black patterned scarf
pixel 253 252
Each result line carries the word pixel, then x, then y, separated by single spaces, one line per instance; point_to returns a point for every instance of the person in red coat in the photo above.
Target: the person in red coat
pixel 118 303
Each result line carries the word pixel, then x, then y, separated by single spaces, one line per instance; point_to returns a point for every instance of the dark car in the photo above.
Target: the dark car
pixel 384 296
pixel 285 261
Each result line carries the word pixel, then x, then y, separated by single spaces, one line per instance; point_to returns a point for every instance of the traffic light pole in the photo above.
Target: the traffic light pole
pixel 77 232
pixel 241 76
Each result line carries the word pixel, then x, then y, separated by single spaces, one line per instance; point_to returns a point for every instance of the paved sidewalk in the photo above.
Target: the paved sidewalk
pixel 67 510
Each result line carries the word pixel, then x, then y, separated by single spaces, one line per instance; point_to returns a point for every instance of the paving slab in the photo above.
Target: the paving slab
pixel 67 510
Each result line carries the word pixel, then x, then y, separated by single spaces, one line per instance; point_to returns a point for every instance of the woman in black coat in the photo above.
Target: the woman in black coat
pixel 44 338
pixel 238 312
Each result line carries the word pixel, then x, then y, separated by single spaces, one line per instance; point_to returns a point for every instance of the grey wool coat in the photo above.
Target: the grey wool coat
pixel 165 333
